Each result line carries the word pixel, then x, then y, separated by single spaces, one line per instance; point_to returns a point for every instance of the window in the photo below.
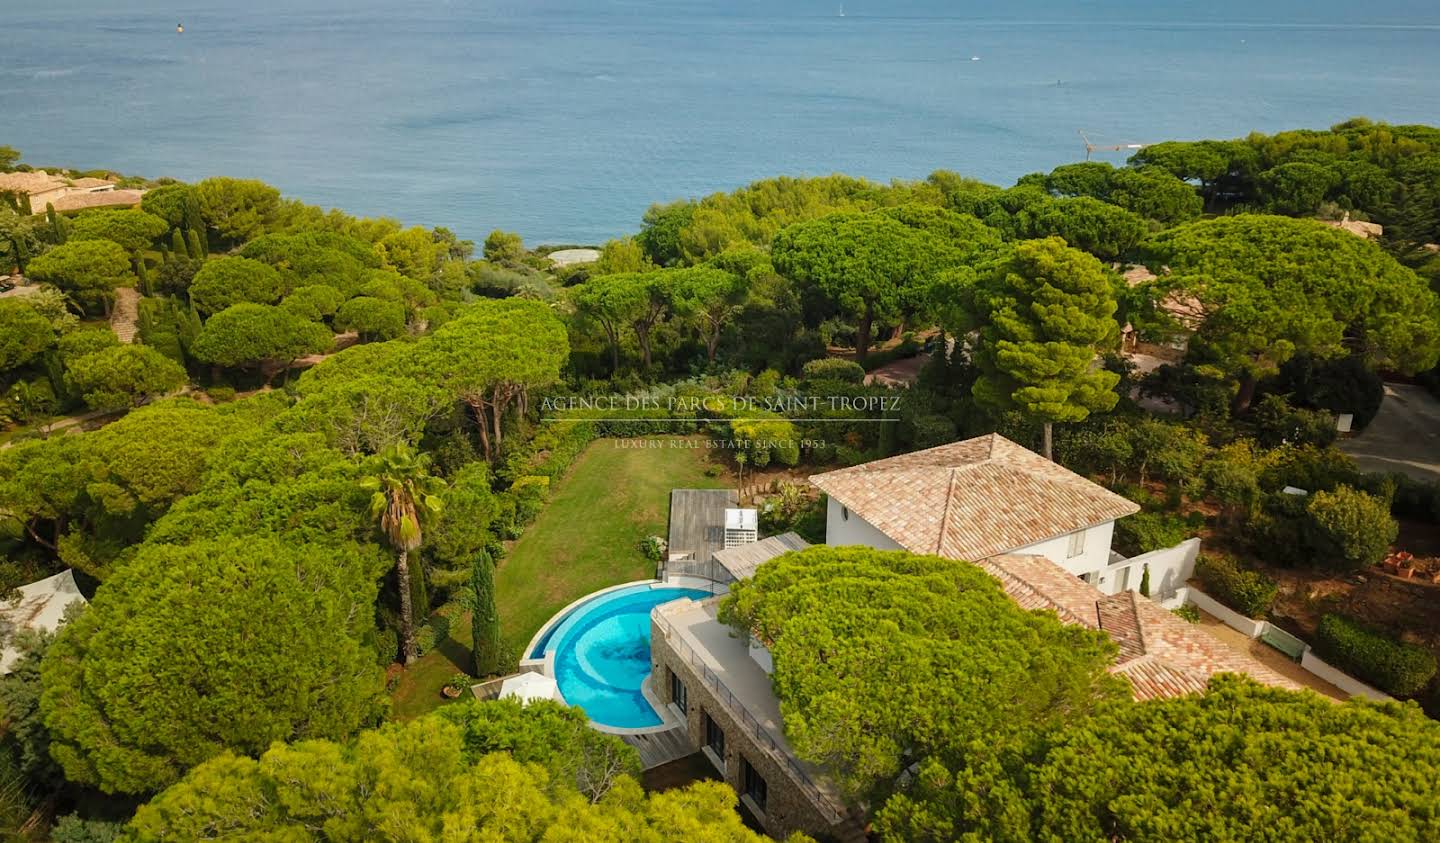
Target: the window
pixel 1077 545
pixel 714 737
pixel 678 694
pixel 754 785
pixel 844 513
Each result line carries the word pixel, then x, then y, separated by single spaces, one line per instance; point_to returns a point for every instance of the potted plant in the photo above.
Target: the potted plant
pixel 1401 564
pixel 455 687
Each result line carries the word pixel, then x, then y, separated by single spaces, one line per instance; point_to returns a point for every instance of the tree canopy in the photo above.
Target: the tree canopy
pixel 192 650
pixel 24 333
pixel 223 282
pixel 1044 315
pixel 131 228
pixel 89 270
pixel 424 780
pixel 1240 762
pixel 883 658
pixel 257 334
pixel 1271 287
pixel 870 265
pixel 123 376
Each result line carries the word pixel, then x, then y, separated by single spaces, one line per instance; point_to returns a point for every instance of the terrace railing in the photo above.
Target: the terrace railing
pixel 823 799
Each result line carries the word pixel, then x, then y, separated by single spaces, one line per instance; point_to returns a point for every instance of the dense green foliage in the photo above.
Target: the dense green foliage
pixel 223 644
pixel 1392 666
pixel 88 270
pixel 132 229
pixel 123 376
pixel 1043 315
pixel 223 282
pixel 1241 762
pixel 883 658
pixel 427 780
pixel 1348 529
pixel 1248 592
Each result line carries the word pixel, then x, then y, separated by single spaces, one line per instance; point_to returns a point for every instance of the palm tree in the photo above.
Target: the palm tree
pixel 402 491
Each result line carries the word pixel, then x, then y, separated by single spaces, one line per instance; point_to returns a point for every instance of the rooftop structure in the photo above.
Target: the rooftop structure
pixel 972 499
pixel 697 522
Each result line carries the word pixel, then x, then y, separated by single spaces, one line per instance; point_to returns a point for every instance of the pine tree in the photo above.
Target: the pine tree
pixel 178 244
pixel 484 619
pixel 1048 313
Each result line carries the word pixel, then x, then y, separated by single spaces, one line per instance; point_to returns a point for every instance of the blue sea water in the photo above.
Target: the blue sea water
pixel 602 654
pixel 565 119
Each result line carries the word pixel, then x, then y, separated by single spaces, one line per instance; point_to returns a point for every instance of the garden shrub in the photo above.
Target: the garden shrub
pixel 1147 531
pixel 1250 593
pixel 1277 423
pixel 1392 666
pixel 1415 499
pixel 1348 529
pixel 833 369
pixel 221 394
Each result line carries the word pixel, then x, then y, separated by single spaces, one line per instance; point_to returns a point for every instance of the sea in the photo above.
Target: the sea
pixel 564 119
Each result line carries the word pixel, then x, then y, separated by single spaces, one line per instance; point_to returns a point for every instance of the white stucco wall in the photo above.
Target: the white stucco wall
pixel 843 530
pixel 1096 556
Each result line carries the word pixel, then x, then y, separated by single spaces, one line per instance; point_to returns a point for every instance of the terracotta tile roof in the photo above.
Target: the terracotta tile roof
pixel 89 182
pixel 1037 583
pixel 972 499
pixel 98 199
pixel 36 182
pixel 1161 655
pixel 1185 309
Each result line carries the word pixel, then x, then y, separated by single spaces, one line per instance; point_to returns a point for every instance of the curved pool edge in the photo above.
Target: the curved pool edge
pixel 556 625
pixel 668 720
pixel 563 614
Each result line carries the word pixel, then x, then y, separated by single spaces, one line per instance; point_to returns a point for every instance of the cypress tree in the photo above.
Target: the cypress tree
pixel 164 252
pixel 142 273
pixel 25 209
pixel 484 619
pixel 192 219
pixel 178 245
pixel 58 230
pixel 1145 581
pixel 197 245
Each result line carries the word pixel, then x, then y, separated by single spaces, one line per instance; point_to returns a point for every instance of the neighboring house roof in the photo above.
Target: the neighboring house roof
pixel 97 199
pixel 1161 655
pixel 41 606
pixel 1185 309
pixel 29 183
pixel 1367 230
pixel 972 499
pixel 742 561
pixel 91 183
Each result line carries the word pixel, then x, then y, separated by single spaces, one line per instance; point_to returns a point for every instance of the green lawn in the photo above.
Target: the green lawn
pixel 585 539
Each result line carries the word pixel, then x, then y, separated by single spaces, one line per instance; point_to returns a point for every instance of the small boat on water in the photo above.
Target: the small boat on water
pixel 842 10
pixel 179 29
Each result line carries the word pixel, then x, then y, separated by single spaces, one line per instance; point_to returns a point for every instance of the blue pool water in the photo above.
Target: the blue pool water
pixel 602 653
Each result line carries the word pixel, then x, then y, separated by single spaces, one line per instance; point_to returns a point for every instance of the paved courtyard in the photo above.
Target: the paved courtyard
pixel 1404 437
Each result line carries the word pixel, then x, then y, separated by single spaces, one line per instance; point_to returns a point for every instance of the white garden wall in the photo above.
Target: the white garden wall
pixel 1340 679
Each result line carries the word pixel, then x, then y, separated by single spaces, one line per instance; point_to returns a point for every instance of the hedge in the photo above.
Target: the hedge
pixel 1249 592
pixel 1147 531
pixel 833 369
pixel 1392 666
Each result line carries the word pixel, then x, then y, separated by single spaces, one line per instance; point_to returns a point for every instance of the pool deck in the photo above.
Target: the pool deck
pixel 659 748
pixel 697 521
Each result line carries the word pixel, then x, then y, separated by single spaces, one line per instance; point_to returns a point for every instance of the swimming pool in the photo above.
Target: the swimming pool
pixel 602 652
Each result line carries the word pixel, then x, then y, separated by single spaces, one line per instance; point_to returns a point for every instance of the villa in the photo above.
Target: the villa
pixel 66 194
pixel 1039 529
